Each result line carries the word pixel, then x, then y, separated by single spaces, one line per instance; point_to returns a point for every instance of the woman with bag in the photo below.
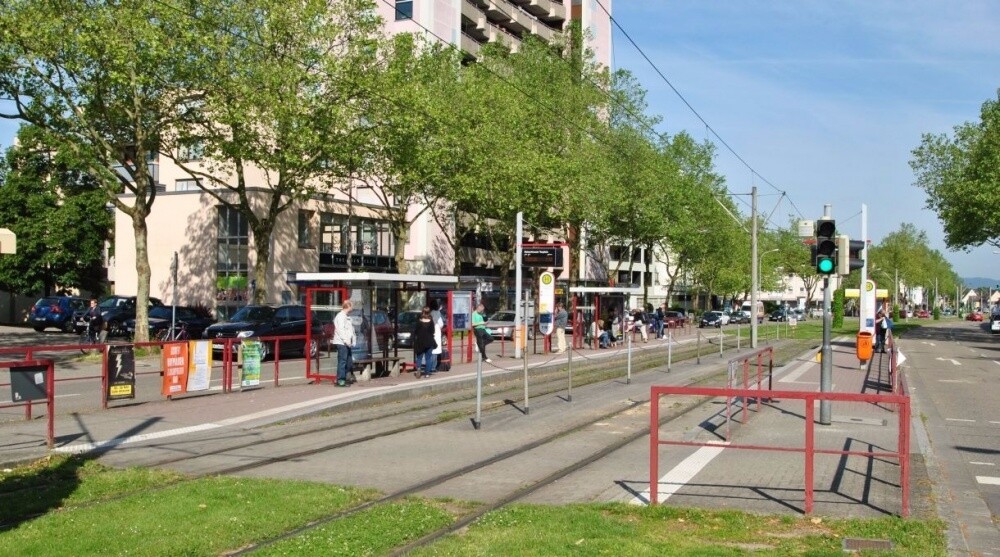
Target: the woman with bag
pixel 424 344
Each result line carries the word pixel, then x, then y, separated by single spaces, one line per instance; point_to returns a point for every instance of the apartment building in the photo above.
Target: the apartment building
pixel 340 230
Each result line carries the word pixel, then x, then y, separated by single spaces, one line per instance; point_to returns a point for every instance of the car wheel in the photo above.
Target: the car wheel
pixel 68 326
pixel 38 329
pixel 265 350
pixel 313 349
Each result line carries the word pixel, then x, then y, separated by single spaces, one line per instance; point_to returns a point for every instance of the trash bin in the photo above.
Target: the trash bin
pixel 864 345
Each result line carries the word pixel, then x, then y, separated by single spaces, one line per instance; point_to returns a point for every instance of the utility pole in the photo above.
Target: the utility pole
pixel 754 272
pixel 826 365
pixel 520 312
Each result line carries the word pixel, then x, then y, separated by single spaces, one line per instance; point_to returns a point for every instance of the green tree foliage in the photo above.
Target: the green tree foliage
pixel 281 90
pixel 961 176
pixel 58 213
pixel 837 308
pixel 102 79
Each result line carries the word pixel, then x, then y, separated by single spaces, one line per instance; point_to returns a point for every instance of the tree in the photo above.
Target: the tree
pixel 281 88
pixel 961 176
pixel 105 80
pixel 58 213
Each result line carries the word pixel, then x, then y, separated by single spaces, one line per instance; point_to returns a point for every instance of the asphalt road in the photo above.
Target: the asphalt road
pixel 953 369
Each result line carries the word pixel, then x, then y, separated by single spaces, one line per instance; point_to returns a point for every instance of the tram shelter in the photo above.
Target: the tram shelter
pixel 377 299
pixel 591 303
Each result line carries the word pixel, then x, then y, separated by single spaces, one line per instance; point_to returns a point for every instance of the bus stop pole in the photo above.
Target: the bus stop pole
pixel 628 368
pixel 670 348
pixel 569 366
pixel 524 360
pixel 477 421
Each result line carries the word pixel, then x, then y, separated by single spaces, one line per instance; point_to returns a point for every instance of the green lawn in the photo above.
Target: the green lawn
pixel 72 506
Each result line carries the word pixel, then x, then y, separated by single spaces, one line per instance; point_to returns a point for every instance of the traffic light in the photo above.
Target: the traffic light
pixel 849 255
pixel 826 246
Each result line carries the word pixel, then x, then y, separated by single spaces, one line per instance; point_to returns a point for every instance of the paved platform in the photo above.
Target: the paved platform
pixel 742 479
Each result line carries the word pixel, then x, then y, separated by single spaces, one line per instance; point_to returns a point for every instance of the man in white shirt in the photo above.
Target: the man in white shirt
pixel 343 339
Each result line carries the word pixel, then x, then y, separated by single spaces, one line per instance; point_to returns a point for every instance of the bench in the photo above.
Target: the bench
pixel 379 366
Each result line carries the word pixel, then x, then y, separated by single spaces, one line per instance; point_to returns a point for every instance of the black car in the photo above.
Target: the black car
pixel 267 321
pixel 115 310
pixel 778 315
pixel 191 319
pixel 711 319
pixel 405 324
pixel 55 311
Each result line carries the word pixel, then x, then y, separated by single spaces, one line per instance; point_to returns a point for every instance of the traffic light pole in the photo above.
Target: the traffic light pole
pixel 826 355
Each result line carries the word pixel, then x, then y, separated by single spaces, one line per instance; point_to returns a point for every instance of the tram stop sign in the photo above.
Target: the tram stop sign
pixel 546 301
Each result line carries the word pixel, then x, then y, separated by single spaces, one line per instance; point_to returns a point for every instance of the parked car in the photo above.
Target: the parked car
pixel 255 321
pixel 56 311
pixel 738 317
pixel 406 322
pixel 115 310
pixel 974 316
pixel 501 324
pixel 191 319
pixel 711 319
pixel 778 315
pixel 923 314
pixel 673 319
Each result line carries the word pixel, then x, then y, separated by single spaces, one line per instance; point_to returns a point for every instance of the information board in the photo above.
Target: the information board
pixel 200 365
pixel 175 368
pixel 250 372
pixel 121 372
pixel 542 257
pixel 28 383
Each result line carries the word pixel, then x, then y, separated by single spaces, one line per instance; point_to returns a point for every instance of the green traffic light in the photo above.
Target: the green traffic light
pixel 825 266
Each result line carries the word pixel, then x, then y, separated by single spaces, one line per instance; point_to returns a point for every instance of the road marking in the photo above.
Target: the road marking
pixel 996 362
pixel 67 396
pixel 900 358
pixel 680 474
pixel 982 463
pixel 995 422
pixel 958 420
pixel 954 381
pixel 925 342
pixel 956 362
pixel 988 480
pixel 793 375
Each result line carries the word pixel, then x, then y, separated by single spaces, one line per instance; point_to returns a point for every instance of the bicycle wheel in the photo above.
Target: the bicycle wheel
pixel 163 335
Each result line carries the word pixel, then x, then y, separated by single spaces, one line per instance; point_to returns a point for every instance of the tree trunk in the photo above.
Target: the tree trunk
pixel 402 233
pixel 142 271
pixel 262 230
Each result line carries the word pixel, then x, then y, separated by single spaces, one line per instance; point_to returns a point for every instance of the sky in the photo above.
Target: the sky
pixel 824 100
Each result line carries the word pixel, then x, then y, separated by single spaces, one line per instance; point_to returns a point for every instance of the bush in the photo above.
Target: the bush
pixel 936 313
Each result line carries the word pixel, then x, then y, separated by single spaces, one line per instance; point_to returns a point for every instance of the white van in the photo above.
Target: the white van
pixel 747 308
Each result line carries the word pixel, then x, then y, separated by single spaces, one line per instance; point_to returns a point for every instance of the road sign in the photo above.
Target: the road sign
pixel 542 257
pixel 546 301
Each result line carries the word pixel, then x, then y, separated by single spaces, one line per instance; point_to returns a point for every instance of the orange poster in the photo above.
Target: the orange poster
pixel 175 368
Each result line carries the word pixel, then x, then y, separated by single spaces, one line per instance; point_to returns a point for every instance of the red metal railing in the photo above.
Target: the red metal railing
pixel 809 450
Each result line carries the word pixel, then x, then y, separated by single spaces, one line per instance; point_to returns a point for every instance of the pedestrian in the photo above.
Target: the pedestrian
pixel 480 331
pixel 424 344
pixel 559 322
pixel 881 326
pixel 438 321
pixel 658 320
pixel 640 323
pixel 344 340
pixel 603 339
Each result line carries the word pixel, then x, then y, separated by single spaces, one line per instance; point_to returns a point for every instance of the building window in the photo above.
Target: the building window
pixel 232 263
pixel 306 239
pixel 404 9
pixel 191 150
pixel 186 185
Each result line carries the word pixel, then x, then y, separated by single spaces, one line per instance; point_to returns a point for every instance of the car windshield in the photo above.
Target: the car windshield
pixel 502 316
pixel 163 312
pixel 51 301
pixel 408 317
pixel 109 303
pixel 712 314
pixel 253 313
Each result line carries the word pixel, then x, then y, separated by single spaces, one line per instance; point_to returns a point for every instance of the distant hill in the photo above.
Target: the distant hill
pixel 980 282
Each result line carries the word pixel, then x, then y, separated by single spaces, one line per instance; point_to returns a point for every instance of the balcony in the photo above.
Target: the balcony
pixel 470 45
pixel 551 12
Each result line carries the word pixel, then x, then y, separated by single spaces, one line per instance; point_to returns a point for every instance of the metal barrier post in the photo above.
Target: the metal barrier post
pixel 720 341
pixel 628 366
pixel 670 348
pixel 903 446
pixel 477 421
pixel 569 367
pixel 654 447
pixel 524 359
pixel 810 447
pixel 739 336
pixel 698 347
pixel 746 385
pixel 50 395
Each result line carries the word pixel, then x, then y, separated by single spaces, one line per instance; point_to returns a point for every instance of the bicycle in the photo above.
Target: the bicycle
pixel 90 337
pixel 179 332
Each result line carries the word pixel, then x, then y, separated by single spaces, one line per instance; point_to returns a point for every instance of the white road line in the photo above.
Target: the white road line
pixel 900 358
pixel 982 463
pixel 77 448
pixel 67 396
pixel 680 474
pixel 953 361
pixel 958 420
pixel 996 362
pixel 954 381
pixel 792 376
pixel 994 422
pixel 988 480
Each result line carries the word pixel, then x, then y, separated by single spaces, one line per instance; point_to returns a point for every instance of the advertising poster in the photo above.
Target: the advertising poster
pixel 121 372
pixel 461 311
pixel 175 368
pixel 200 370
pixel 250 373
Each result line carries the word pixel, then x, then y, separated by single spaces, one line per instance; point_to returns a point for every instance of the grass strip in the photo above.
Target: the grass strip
pixel 620 529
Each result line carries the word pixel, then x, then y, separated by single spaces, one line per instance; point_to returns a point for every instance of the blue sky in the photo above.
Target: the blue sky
pixel 825 100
